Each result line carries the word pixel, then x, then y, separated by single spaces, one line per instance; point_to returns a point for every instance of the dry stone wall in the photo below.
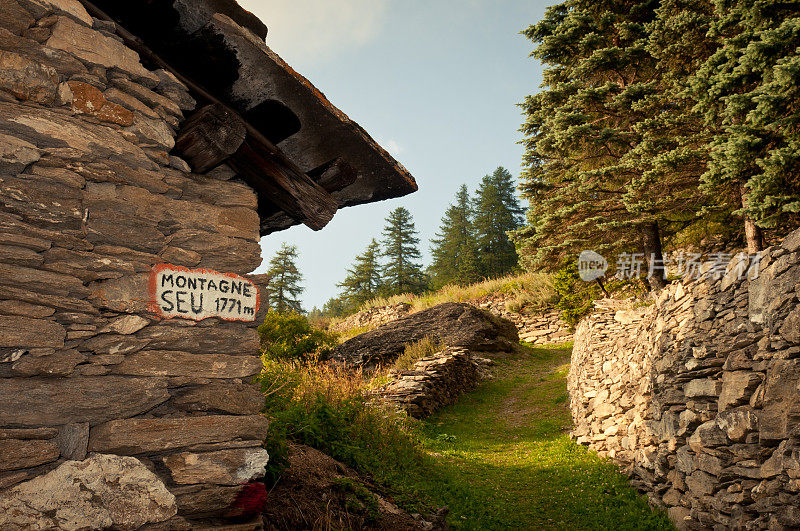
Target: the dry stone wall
pixel 435 381
pixel 543 327
pixel 696 395
pixel 90 199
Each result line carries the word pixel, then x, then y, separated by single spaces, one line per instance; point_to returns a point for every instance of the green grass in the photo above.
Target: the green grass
pixel 501 457
pixel 425 347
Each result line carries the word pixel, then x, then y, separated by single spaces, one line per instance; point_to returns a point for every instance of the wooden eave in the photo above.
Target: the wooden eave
pixel 304 157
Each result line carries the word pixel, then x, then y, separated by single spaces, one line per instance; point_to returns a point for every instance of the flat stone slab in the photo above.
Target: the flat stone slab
pixel 16 454
pixel 139 436
pixel 18 331
pixel 93 47
pixel 53 402
pixel 172 363
pixel 223 467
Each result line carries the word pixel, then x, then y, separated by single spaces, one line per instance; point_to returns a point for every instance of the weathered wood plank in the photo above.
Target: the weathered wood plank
pixel 333 177
pixel 336 176
pixel 293 192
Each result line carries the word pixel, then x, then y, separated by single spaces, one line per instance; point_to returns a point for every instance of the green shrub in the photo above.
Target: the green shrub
pixel 574 295
pixel 289 335
pixel 331 409
pixel 359 499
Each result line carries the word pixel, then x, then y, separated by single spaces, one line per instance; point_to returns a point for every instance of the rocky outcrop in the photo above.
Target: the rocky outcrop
pixel 539 327
pixel 454 324
pixel 435 381
pixel 695 394
pixel 90 200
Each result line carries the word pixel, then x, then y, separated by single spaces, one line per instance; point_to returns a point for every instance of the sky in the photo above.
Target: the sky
pixel 435 82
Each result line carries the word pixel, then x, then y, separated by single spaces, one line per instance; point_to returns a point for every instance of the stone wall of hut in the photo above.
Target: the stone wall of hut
pixel 90 199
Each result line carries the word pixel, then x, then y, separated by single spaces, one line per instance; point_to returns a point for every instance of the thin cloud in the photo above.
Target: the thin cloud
pixel 393 148
pixel 307 31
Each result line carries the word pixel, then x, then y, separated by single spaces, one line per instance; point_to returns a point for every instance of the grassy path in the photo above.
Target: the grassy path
pixel 501 457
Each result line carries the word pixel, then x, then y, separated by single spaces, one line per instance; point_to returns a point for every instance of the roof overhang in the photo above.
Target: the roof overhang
pixel 219 49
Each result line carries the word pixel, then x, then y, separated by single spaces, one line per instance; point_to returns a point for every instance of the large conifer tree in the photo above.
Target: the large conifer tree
pixel 363 281
pixel 749 92
pixel 401 273
pixel 672 150
pixel 497 212
pixel 454 250
pixel 581 129
pixel 285 279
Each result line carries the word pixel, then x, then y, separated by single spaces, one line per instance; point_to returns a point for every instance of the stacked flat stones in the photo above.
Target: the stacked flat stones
pixel 435 381
pixel 696 395
pixel 90 199
pixel 543 327
pixel 372 317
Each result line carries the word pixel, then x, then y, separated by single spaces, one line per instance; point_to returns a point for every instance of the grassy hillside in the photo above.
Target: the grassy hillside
pixel 524 291
pixel 535 287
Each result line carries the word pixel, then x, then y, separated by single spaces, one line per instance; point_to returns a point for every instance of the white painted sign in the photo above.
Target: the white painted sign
pixel 198 294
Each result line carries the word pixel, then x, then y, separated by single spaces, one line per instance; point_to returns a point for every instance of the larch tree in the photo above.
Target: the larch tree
pixel 285 279
pixel 401 272
pixel 454 249
pixel 364 280
pixel 497 213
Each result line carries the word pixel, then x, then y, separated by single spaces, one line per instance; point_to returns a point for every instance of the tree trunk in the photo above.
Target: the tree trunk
pixel 752 232
pixel 654 255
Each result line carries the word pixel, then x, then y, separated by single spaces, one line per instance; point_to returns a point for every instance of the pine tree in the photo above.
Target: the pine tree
pixel 454 250
pixel 363 281
pixel 337 307
pixel 497 213
pixel 401 274
pixel 749 93
pixel 285 279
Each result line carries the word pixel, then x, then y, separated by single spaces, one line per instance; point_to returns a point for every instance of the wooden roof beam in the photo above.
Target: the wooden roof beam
pixel 258 161
pixel 297 195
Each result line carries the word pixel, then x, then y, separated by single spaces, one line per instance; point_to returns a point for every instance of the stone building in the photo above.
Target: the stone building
pixel 134 134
